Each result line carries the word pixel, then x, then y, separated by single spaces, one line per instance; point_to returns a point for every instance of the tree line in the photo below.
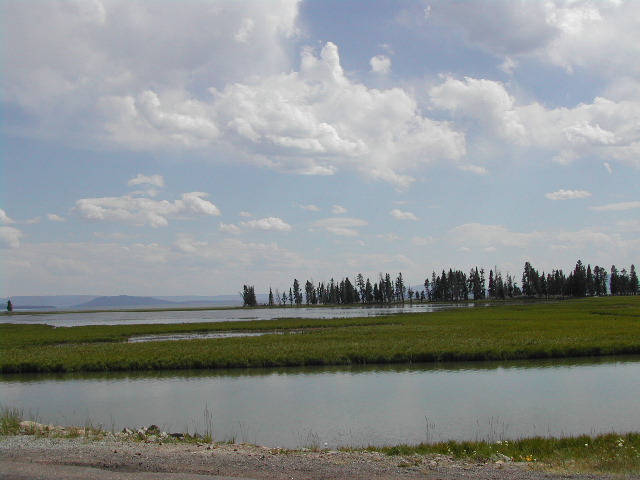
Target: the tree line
pixel 455 285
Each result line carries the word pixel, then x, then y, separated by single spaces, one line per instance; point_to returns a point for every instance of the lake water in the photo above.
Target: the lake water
pixel 121 317
pixel 349 406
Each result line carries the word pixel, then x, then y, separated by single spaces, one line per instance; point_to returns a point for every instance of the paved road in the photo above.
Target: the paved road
pixel 33 471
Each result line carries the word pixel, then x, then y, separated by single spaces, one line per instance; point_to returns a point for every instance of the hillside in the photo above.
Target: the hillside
pixel 123 301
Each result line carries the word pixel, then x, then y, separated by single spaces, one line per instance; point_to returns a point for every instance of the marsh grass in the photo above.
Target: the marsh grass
pixel 10 418
pixel 611 453
pixel 508 331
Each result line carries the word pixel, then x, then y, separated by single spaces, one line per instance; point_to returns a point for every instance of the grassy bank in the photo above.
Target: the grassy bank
pixel 587 327
pixel 610 453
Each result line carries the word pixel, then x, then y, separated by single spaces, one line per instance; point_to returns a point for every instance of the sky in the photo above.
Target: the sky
pixel 192 147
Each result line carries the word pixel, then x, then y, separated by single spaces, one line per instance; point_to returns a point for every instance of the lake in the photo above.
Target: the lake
pixel 349 406
pixel 123 317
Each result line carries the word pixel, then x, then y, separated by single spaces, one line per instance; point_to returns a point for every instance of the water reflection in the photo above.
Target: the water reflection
pixel 221 315
pixel 340 406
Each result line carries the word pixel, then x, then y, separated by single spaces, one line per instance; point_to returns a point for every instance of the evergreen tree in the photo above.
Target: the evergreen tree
pixel 400 288
pixel 297 294
pixel 368 292
pixel 361 286
pixel 633 281
pixel 614 281
pixel 248 297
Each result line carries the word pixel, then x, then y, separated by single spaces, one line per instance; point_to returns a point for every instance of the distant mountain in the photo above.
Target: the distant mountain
pixel 51 301
pixel 122 301
pixel 81 302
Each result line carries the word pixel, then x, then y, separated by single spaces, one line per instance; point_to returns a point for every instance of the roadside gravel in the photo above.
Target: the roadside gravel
pixel 31 457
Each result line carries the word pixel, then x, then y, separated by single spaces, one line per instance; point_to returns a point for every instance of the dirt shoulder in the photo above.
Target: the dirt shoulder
pixel 28 457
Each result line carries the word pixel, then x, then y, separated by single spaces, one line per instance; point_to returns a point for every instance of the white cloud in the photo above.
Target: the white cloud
pixel 399 215
pixel 567 194
pixel 380 64
pixel 390 237
pixel 583 241
pixel 608 167
pixel 270 224
pixel 245 214
pixel 4 218
pixel 244 32
pixel 342 226
pixel 509 65
pixel 599 36
pixel 338 210
pixel 55 218
pixel 604 128
pixel 310 208
pixel 10 237
pixel 110 269
pixel 140 179
pixel 616 207
pixel 477 169
pixel 144 211
pixel 229 228
pixel 78 52
pixel 315 121
pixel 490 235
pixel 484 101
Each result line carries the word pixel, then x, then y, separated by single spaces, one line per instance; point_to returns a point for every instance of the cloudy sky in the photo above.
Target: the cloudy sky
pixel 191 147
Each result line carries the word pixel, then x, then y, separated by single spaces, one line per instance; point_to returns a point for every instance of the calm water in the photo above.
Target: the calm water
pixel 350 406
pixel 220 315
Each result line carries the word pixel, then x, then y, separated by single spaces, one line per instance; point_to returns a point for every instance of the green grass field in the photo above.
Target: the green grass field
pixel 516 330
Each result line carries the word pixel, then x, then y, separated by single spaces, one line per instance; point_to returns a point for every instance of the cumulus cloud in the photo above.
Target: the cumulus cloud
pixel 229 228
pixel 269 224
pixel 400 215
pixel 603 128
pixel 595 35
pixel 78 52
pixel 315 121
pixel 484 101
pixel 140 179
pixel 10 237
pixel 144 211
pixel 380 64
pixel 4 218
pixel 55 217
pixel 567 194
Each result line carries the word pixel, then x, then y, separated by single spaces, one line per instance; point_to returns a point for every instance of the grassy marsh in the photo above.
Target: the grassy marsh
pixel 518 330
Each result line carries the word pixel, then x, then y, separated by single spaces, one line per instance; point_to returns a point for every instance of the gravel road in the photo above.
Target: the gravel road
pixel 25 457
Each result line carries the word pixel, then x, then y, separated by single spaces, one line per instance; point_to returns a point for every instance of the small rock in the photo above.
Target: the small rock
pixel 153 430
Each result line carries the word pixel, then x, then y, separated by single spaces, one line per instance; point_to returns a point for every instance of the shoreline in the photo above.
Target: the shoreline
pixel 38 446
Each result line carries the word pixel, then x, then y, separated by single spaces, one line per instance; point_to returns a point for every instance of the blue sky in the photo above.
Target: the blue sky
pixel 170 148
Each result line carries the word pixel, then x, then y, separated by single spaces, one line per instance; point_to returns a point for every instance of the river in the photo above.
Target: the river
pixel 348 406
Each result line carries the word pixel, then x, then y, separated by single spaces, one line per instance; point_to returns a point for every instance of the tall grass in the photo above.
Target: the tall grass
pixel 588 327
pixel 10 418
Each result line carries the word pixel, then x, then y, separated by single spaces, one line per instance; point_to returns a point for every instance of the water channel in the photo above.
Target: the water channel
pixel 349 406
